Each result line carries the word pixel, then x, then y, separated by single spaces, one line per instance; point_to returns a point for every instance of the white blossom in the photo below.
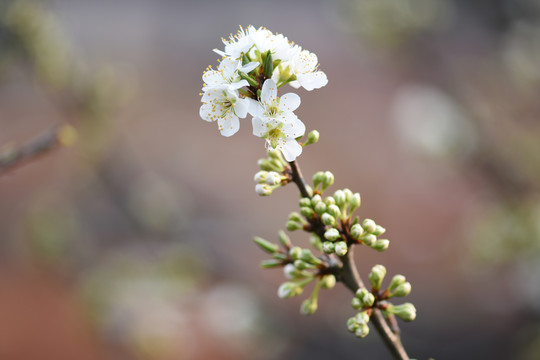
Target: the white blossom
pixel 227 74
pixel 281 135
pixel 223 105
pixel 304 66
pixel 273 108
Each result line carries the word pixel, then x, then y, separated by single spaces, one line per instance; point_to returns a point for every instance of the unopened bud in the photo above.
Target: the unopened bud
pixel 376 276
pixel 334 211
pixel 401 290
pixel 356 303
pixel 332 234
pixel 318 178
pixel 260 176
pixel 328 281
pixel 406 311
pixel 369 225
pixel 328 219
pixel 396 281
pixel 273 178
pixel 352 325
pixel 263 189
pixel 348 194
pixel 356 231
pixel 315 241
pixel 307 212
pixel 320 207
pixel 368 239
pixel 293 226
pixel 341 248
pixel 315 200
pixel 295 252
pixel 381 245
pixel 328 179
pixel 309 306
pixel 328 247
pixel 379 230
pixel 354 203
pixel 284 239
pixel 271 263
pixel 339 196
pixel 289 289
pixel 329 200
pixel 313 137
pixel 305 202
pixel 362 331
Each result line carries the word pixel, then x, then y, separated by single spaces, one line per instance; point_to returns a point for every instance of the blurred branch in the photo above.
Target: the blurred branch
pixel 15 156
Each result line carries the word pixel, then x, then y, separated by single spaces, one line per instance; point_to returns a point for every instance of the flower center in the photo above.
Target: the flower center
pixel 274 135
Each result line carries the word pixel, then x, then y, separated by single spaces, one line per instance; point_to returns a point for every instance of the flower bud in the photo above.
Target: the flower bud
pixel 307 256
pixel 279 256
pixel 266 245
pixel 328 179
pixel 332 234
pixel 376 276
pixel 356 303
pixel 362 331
pixel 334 211
pixel 396 281
pixel 328 281
pixel 295 252
pixel 289 289
pixel 293 226
pixel 328 247
pixel 379 230
pixel 339 196
pixel 368 239
pixel 309 306
pixel 320 207
pixel 305 202
pixel 302 265
pixel 273 178
pixel 406 311
pixel 356 231
pixel 263 189
pixel 307 212
pixel 284 239
pixel 381 245
pixel 260 176
pixel 290 271
pixel 315 241
pixel 354 203
pixel 362 317
pixel 348 194
pixel 271 263
pixel 401 290
pixel 341 248
pixel 365 297
pixel 352 325
pixel 328 219
pixel 267 165
pixel 315 200
pixel 313 137
pixel 268 65
pixel 369 225
pixel 294 216
pixel 317 178
pixel 329 200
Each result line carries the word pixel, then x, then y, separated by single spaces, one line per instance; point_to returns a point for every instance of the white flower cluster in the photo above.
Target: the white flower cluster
pixel 255 64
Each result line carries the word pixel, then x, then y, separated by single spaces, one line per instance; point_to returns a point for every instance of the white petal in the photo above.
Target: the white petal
pixel 294 128
pixel 241 108
pixel 269 91
pixel 238 85
pixel 295 84
pixel 291 150
pixel 229 126
pixel 313 80
pixel 289 102
pixel 259 127
pixel 255 108
pixel 249 67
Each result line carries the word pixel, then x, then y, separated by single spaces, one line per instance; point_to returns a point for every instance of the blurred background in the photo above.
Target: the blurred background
pixel 136 242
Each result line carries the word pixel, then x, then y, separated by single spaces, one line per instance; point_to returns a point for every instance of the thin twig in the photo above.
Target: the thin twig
pixel 348 275
pixel 12 157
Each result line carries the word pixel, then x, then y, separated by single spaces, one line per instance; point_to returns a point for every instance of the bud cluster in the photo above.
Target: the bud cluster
pixel 367 234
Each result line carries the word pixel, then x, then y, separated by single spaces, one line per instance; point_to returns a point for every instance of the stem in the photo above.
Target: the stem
pixel 348 275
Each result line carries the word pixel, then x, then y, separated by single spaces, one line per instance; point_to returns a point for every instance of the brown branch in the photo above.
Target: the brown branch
pixel 348 275
pixel 12 157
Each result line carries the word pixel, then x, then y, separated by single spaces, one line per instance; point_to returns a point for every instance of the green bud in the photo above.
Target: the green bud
pixel 396 281
pixel 356 231
pixel 376 276
pixel 289 289
pixel 362 317
pixel 318 178
pixel 339 196
pixel 315 241
pixel 309 306
pixel 271 263
pixel 365 297
pixel 332 234
pixel 401 290
pixel 305 202
pixel 328 180
pixel 315 200
pixel 293 226
pixel 275 155
pixel 369 225
pixel 406 311
pixel 268 65
pixel 266 245
pixel 302 265
pixel 268 165
pixel 356 303
pixel 313 137
pixel 379 230
pixel 279 256
pixel 362 331
pixel 245 59
pixel 263 189
pixel 307 212
pixel 368 239
pixel 354 203
pixel 329 201
pixel 320 207
pixel 334 211
pixel 309 190
pixel 295 252
pixel 308 257
pixel 328 247
pixel 260 177
pixel 381 245
pixel 284 239
pixel 341 248
pixel 328 281
pixel 348 194
pixel 352 325
pixel 294 216
pixel 328 219
pixel 361 292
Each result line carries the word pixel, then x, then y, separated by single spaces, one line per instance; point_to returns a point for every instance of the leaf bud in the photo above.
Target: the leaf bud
pixel 266 245
pixel 356 231
pixel 328 219
pixel 406 311
pixel 260 176
pixel 271 263
pixel 341 248
pixel 302 265
pixel 332 234
pixel 369 226
pixel 263 189
pixel 376 276
pixel 268 65
pixel 381 245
